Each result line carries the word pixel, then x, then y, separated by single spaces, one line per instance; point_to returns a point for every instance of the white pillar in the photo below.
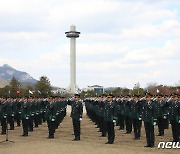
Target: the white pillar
pixel 72 34
pixel 73 61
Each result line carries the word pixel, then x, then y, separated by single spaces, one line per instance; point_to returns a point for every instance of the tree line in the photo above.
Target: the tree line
pixel 42 88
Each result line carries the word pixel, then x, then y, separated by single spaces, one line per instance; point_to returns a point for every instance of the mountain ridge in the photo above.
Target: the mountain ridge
pixel 7 72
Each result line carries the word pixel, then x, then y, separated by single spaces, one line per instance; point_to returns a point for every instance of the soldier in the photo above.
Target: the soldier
pixel 61 105
pixel 136 114
pixel 43 105
pixel 3 115
pixel 128 119
pixel 166 113
pixel 101 113
pixel 159 110
pixel 25 117
pixel 30 106
pixel 76 115
pixel 36 113
pixel 117 105
pixel 121 116
pixel 18 112
pixel 149 120
pixel 11 112
pixel 174 117
pixel 110 118
pixel 51 117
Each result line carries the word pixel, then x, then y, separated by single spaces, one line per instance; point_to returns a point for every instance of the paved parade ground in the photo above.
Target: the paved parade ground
pixel 90 143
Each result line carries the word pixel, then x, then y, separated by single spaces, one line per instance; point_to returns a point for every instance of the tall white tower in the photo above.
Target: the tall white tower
pixel 72 34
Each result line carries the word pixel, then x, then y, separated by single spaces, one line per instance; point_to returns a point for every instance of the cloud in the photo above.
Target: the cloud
pixel 121 42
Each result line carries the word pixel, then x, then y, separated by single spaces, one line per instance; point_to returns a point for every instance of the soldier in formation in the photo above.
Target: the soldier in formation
pixel 32 112
pixel 110 118
pixel 55 113
pixel 127 112
pixel 76 115
pixel 136 115
pixel 130 111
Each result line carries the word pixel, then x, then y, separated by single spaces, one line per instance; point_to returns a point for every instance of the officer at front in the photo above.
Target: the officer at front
pixel 76 115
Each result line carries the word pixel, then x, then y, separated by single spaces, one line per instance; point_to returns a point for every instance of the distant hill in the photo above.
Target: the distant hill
pixel 3 83
pixel 7 72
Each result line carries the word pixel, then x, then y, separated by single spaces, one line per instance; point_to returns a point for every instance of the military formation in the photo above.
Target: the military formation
pixel 128 113
pixel 32 112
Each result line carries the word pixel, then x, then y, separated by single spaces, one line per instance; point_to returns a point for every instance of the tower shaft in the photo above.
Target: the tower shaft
pixel 72 34
pixel 72 61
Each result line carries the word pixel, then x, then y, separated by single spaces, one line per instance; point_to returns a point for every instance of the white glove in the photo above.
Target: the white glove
pixel 114 121
pixel 80 119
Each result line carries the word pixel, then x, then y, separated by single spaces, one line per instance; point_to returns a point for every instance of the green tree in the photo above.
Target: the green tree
pixel 14 86
pixel 117 92
pixel 4 92
pixel 44 86
pixel 88 93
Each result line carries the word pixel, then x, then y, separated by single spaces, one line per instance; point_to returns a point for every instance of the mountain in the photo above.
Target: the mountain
pixel 7 72
pixel 3 83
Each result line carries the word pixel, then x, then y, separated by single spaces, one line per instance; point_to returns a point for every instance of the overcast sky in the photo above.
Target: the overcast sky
pixel 122 42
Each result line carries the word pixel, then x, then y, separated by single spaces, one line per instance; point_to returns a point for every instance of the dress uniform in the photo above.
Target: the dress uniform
pixel 110 118
pixel 11 112
pixel 128 119
pixel 36 113
pixel 102 119
pixel 149 120
pixel 25 117
pixel 160 111
pixel 51 117
pixel 174 117
pixel 136 114
pixel 3 116
pixel 30 106
pixel 76 115
pixel 166 113
pixel 117 105
pixel 61 105
pixel 121 116
pixel 18 112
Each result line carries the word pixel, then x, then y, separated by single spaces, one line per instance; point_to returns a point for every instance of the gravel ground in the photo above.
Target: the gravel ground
pixel 90 143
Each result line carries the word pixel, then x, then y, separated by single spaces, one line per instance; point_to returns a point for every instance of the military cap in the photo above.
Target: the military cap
pixel 103 95
pixel 148 94
pixel 160 95
pixel 76 95
pixel 110 95
pixel 137 96
pixel 174 95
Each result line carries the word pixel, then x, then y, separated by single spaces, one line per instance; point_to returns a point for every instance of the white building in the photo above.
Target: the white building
pixel 61 91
